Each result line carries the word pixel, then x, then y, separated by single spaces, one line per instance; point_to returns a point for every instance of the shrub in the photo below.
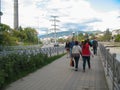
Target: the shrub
pixel 15 66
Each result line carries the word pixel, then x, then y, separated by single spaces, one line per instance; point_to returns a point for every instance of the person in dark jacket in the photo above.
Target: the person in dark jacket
pixel 95 45
pixel 67 47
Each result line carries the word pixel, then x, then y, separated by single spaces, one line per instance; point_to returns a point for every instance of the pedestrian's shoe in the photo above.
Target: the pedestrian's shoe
pixel 76 69
pixel 89 67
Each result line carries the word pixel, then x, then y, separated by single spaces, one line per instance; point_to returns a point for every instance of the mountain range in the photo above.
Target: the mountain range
pixel 67 33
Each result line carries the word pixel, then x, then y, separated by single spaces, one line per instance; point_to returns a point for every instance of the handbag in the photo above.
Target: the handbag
pixel 71 63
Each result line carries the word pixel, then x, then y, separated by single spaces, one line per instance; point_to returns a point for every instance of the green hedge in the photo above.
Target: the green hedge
pixel 15 66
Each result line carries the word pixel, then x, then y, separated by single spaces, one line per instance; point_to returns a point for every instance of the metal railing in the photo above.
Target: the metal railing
pixel 111 66
pixel 11 48
pixel 50 51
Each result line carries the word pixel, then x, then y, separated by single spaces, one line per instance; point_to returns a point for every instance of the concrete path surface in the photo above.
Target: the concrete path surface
pixel 60 76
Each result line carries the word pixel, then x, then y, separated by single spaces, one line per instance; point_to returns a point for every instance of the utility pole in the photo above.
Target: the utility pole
pixel 55 26
pixel 37 18
pixel 0 12
pixel 16 20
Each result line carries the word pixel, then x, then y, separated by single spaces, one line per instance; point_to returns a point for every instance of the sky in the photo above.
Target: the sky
pixel 72 14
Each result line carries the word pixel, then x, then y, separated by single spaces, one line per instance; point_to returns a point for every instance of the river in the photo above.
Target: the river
pixel 115 50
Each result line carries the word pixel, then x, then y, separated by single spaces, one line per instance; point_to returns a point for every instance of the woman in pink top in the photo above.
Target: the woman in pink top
pixel 86 52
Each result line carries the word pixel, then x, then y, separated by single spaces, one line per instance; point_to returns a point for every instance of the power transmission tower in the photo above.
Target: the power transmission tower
pixel 54 19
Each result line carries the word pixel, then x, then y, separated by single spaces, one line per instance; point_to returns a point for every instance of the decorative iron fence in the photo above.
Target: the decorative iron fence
pixel 11 48
pixel 50 51
pixel 111 66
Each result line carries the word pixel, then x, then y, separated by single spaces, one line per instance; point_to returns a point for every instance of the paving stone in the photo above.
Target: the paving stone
pixel 60 76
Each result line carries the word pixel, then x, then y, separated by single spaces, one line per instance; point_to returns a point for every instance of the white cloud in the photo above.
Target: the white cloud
pixel 36 13
pixel 109 20
pixel 6 8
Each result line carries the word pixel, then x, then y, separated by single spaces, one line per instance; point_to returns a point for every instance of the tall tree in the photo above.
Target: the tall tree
pixel 117 38
pixel 5 35
pixel 107 35
pixel 31 34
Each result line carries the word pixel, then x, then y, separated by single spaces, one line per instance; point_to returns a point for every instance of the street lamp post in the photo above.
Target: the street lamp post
pixel 0 12
pixel 73 34
pixel 77 35
pixel 16 15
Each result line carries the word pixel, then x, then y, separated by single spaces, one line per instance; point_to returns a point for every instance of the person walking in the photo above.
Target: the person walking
pixel 95 45
pixel 72 43
pixel 76 51
pixel 67 47
pixel 86 53
pixel 88 40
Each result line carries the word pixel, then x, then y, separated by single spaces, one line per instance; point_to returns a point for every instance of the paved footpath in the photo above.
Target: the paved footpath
pixel 60 76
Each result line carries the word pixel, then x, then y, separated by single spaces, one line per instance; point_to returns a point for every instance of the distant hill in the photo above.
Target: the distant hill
pixel 93 32
pixel 67 33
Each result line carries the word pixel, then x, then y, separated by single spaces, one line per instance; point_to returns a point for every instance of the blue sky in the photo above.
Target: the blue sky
pixel 73 14
pixel 105 5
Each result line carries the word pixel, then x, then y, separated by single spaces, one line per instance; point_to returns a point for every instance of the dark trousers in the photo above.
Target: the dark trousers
pixel 86 58
pixel 95 50
pixel 76 58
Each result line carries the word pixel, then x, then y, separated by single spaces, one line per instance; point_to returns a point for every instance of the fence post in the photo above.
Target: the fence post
pixel 50 51
pixel 63 49
pixel 57 51
pixel 104 54
pixel 1 47
pixel 107 50
pixel 114 56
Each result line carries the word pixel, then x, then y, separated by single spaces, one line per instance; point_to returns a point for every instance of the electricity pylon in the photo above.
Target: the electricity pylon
pixel 54 19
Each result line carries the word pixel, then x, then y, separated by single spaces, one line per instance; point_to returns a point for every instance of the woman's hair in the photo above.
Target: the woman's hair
pixel 84 43
pixel 76 42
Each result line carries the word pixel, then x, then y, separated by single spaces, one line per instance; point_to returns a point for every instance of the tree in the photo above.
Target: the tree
pixel 117 38
pixel 61 40
pixel 19 34
pixel 5 35
pixel 81 37
pixel 107 35
pixel 4 27
pixel 9 36
pixel 31 35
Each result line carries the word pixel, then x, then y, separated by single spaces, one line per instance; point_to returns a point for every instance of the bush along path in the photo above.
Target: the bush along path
pixel 15 66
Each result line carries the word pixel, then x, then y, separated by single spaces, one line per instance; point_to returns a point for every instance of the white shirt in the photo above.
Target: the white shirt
pixel 76 49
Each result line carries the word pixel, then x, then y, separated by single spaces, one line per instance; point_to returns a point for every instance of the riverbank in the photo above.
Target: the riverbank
pixel 114 44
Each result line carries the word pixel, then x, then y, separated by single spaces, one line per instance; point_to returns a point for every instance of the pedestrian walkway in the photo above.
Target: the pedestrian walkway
pixel 60 76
